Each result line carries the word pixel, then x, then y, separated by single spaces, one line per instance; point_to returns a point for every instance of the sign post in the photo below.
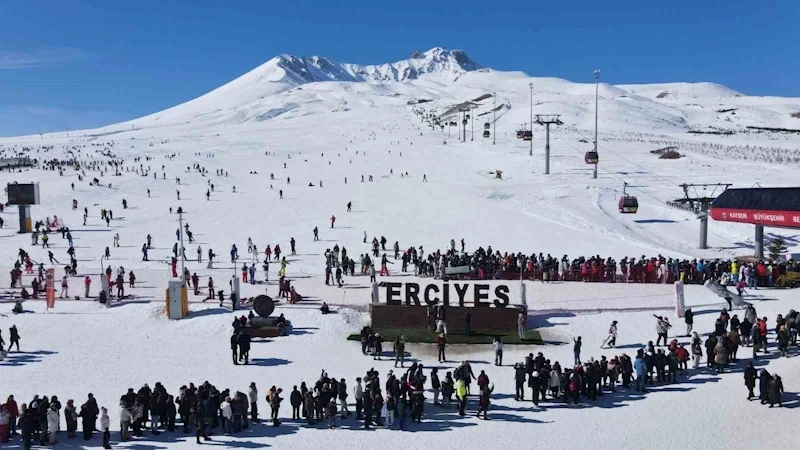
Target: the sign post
pixel 680 305
pixel 23 195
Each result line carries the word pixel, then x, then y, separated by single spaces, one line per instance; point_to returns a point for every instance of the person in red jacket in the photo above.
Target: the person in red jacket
pixel 441 344
pixel 13 414
pixel 174 264
pixel 333 220
pixel 762 331
pixel 483 380
pixel 683 357
pixel 87 282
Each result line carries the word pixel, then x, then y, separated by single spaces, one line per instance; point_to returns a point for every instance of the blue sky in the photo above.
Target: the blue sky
pixel 81 63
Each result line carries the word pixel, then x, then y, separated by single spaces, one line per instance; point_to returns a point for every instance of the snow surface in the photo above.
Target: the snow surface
pixel 349 127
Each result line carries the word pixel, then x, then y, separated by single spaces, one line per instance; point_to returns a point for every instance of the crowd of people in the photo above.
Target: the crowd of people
pixel 401 396
pixel 492 264
pixel 40 420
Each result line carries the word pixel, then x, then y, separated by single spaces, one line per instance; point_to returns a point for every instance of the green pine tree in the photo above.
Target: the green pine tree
pixel 777 248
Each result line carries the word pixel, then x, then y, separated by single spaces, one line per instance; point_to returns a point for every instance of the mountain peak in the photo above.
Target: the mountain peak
pixel 300 70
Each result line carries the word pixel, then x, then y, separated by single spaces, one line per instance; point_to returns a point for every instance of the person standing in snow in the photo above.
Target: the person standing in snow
pixel 87 282
pixel 611 339
pixel 775 391
pixel 441 344
pixel 576 350
pixel 497 344
pixel 662 328
pixel 65 287
pixel 750 376
pixel 252 396
pixel 697 350
pixel 235 347
pixel 688 317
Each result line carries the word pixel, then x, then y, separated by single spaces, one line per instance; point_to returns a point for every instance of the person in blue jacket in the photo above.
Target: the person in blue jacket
pixel 641 371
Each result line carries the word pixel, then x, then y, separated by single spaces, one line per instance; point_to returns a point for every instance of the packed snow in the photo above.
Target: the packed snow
pixel 313 130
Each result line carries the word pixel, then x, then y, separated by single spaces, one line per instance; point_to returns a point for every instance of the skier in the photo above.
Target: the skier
pixel 291 244
pixel 316 234
pixel 333 220
pixel 349 206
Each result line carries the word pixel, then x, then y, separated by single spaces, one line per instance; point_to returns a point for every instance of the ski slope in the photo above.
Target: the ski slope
pixel 284 121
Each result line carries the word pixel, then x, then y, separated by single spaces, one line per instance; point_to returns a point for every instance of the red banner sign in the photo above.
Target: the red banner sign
pixel 757 217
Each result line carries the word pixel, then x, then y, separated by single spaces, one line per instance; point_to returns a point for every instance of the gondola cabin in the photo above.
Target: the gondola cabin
pixel 527 135
pixel 628 204
pixel 592 158
pixel 487 126
pixel 486 133
pixel 520 134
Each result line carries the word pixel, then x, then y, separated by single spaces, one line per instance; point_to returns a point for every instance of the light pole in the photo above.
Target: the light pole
pixel 596 97
pixel 471 124
pixel 494 119
pixel 531 122
pixel 183 250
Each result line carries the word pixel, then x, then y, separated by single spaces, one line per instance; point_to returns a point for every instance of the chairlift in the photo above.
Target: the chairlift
pixel 592 157
pixel 486 133
pixel 628 204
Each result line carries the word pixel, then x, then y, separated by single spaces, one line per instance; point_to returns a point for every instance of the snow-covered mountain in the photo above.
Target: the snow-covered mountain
pixel 300 70
pixel 292 86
